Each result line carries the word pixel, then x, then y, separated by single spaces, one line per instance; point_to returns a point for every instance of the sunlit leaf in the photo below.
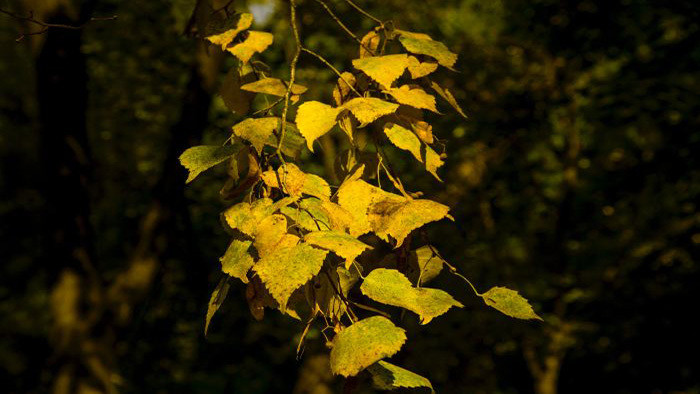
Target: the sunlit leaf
pixel 424 131
pixel 198 159
pixel 257 41
pixel 256 130
pixel 510 303
pixel 407 140
pixel 447 95
pixel 237 260
pixel 383 69
pixel 386 376
pixel 286 269
pixel 398 218
pixel 245 217
pixel 273 86
pixel 413 96
pixel 269 234
pixel 419 69
pixel 223 32
pixel 216 300
pixel 297 182
pixel 315 119
pixel 369 109
pixel 340 243
pixel 356 196
pixel 391 287
pixel 369 44
pixel 429 47
pixel 364 343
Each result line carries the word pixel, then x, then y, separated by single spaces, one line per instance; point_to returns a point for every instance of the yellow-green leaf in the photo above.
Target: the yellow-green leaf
pixel 234 98
pixel 315 119
pixel 286 269
pixel 429 47
pixel 292 144
pixel 340 243
pixel 296 182
pixel 391 287
pixel 398 218
pixel 223 32
pixel 217 298
pixel 269 234
pixel 342 90
pixel 383 69
pixel 370 44
pixel 510 303
pixel 237 260
pixel 356 196
pixel 245 217
pixel 413 96
pixel 198 159
pixel 257 41
pixel 424 264
pixel 364 343
pixel 256 130
pixel 407 140
pixel 369 109
pixel 273 86
pixel 447 95
pixel 387 376
pixel 419 69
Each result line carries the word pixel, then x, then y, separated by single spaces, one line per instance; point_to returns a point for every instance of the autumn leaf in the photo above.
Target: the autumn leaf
pixel 216 300
pixel 369 109
pixel 286 269
pixel 413 96
pixel 269 233
pixel 369 44
pixel 292 144
pixel 256 130
pixel 340 243
pixel 387 376
pixel 315 119
pixel 407 140
pixel 297 182
pixel 419 69
pixel 447 95
pixel 342 88
pixel 429 47
pixel 237 260
pixel 223 32
pixel 510 303
pixel 245 217
pixel 356 196
pixel 363 344
pixel 234 98
pixel 391 287
pixel 257 41
pixel 424 264
pixel 273 87
pixel 396 219
pixel 383 69
pixel 198 159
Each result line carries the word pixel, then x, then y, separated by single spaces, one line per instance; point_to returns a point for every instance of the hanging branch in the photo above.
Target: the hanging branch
pixel 46 26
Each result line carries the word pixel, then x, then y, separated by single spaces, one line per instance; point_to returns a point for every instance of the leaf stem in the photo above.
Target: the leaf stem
pixel 365 13
pixel 335 70
pixel 342 25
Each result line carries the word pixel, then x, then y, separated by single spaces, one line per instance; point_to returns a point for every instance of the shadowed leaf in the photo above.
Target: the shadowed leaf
pixel 386 376
pixel 201 158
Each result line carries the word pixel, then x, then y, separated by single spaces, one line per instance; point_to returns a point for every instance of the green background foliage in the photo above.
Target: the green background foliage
pixel 574 180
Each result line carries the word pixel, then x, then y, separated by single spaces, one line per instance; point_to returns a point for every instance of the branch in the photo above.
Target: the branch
pixel 365 13
pixel 46 26
pixel 335 70
pixel 292 74
pixel 345 28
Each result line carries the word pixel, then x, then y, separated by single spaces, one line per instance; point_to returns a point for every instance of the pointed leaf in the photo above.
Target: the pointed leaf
pixel 424 264
pixel 269 234
pixel 419 69
pixel 406 140
pixel 447 95
pixel 237 260
pixel 257 41
pixel 356 196
pixel 256 130
pixel 217 299
pixel 510 303
pixel 413 96
pixel 296 182
pixel 388 376
pixel 234 98
pixel 273 86
pixel 398 218
pixel 198 159
pixel 223 32
pixel 429 47
pixel 369 109
pixel 369 44
pixel 315 119
pixel 342 244
pixel 383 69
pixel 391 287
pixel 364 343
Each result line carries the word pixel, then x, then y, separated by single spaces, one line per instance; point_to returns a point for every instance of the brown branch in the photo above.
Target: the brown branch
pixel 46 26
pixel 365 13
pixel 342 25
pixel 335 70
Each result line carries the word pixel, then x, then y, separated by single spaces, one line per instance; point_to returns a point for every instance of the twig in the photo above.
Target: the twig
pixel 342 25
pixel 335 70
pixel 46 26
pixel 365 13
pixel 453 270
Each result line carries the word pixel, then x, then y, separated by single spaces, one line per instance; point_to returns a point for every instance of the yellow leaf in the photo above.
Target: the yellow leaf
pixel 413 96
pixel 273 86
pixel 364 343
pixel 297 182
pixel 419 69
pixel 223 32
pixel 315 119
pixel 510 303
pixel 340 243
pixel 286 269
pixel 293 142
pixel 256 130
pixel 383 69
pixel 369 109
pixel 237 260
pixel 398 218
pixel 417 36
pixel 217 298
pixel 388 376
pixel 342 90
pixel 407 140
pixel 257 41
pixel 234 98
pixel 447 95
pixel 429 47
pixel 269 234
pixel 369 44
pixel 356 196
pixel 423 130
pixel 245 217
pixel 391 287
pixel 201 158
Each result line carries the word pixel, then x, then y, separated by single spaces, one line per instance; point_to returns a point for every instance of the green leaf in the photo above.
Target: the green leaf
pixel 198 159
pixel 429 47
pixel 398 218
pixel 388 376
pixel 391 287
pixel 217 299
pixel 340 243
pixel 273 86
pixel 286 269
pixel 256 130
pixel 315 119
pixel 237 260
pixel 364 343
pixel 369 109
pixel 383 69
pixel 509 302
pixel 405 139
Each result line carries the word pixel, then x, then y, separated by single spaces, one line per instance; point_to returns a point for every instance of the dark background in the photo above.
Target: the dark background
pixel 575 180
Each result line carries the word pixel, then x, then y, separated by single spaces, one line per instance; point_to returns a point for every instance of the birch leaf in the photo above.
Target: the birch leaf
pixel 413 96
pixel 369 44
pixel 419 69
pixel 286 269
pixel 237 260
pixel 356 196
pixel 407 140
pixel 369 109
pixel 391 287
pixel 256 130
pixel 257 41
pixel 398 218
pixel 340 243
pixel 447 95
pixel 217 299
pixel 297 182
pixel 273 87
pixel 364 343
pixel 383 69
pixel 198 159
pixel 315 119
pixel 429 47
pixel 245 217
pixel 269 234
pixel 223 32
pixel 424 264
pixel 387 376
pixel 424 131
pixel 292 144
pixel 342 90
pixel 510 303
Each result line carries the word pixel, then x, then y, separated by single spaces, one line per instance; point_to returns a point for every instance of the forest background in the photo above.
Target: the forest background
pixel 575 179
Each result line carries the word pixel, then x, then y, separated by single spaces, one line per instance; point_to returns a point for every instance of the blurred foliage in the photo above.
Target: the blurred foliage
pixel 575 180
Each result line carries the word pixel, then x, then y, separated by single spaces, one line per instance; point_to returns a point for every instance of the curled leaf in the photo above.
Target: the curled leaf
pixel 413 96
pixel 223 31
pixel 297 182
pixel 447 95
pixel 419 69
pixel 407 140
pixel 216 300
pixel 369 44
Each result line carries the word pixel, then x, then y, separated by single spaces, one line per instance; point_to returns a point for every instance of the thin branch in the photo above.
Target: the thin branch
pixel 335 70
pixel 46 26
pixel 365 13
pixel 342 25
